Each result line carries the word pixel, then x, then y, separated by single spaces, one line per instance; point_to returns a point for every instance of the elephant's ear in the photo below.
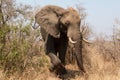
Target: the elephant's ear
pixel 48 18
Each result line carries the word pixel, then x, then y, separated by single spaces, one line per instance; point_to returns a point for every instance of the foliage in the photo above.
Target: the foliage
pixel 17 48
pixel 18 42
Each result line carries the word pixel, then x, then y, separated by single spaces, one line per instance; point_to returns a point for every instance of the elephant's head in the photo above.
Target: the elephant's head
pixel 71 21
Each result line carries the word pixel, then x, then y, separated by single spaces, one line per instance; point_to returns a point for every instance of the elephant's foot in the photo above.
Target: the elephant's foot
pixel 58 69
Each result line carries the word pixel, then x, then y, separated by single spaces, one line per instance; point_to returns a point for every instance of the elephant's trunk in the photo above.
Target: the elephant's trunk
pixel 75 37
pixel 78 53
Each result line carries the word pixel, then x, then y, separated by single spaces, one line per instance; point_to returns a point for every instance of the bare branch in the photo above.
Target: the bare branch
pixel 81 11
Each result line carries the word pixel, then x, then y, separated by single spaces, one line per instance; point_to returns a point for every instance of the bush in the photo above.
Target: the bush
pixel 20 46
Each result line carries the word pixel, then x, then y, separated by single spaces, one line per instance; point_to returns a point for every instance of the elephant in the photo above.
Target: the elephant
pixel 60 26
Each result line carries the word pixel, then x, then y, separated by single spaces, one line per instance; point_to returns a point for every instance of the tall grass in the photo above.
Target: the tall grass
pixel 102 61
pixel 22 57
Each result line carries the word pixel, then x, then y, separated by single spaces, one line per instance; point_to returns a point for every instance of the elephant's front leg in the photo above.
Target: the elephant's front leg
pixel 50 50
pixel 63 48
pixel 57 67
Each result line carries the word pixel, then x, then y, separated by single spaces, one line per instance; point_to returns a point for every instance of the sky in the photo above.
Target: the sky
pixel 101 14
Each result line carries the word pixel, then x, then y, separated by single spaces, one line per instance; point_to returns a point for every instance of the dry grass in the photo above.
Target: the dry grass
pixel 99 61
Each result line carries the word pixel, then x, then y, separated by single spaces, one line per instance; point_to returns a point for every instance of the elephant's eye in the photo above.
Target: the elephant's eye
pixel 67 23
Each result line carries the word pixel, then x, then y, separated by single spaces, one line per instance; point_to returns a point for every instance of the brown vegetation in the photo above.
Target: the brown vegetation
pixel 22 55
pixel 101 62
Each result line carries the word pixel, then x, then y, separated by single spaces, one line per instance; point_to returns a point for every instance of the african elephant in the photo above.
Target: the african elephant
pixel 58 27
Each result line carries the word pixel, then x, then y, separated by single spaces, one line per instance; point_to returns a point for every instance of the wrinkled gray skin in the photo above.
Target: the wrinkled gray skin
pixel 57 26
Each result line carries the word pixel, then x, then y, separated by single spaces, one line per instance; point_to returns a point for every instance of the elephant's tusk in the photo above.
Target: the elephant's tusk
pixel 35 25
pixel 86 40
pixel 72 40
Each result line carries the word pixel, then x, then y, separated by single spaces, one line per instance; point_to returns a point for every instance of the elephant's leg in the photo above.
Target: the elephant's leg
pixel 63 48
pixel 57 67
pixel 50 50
pixel 62 52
